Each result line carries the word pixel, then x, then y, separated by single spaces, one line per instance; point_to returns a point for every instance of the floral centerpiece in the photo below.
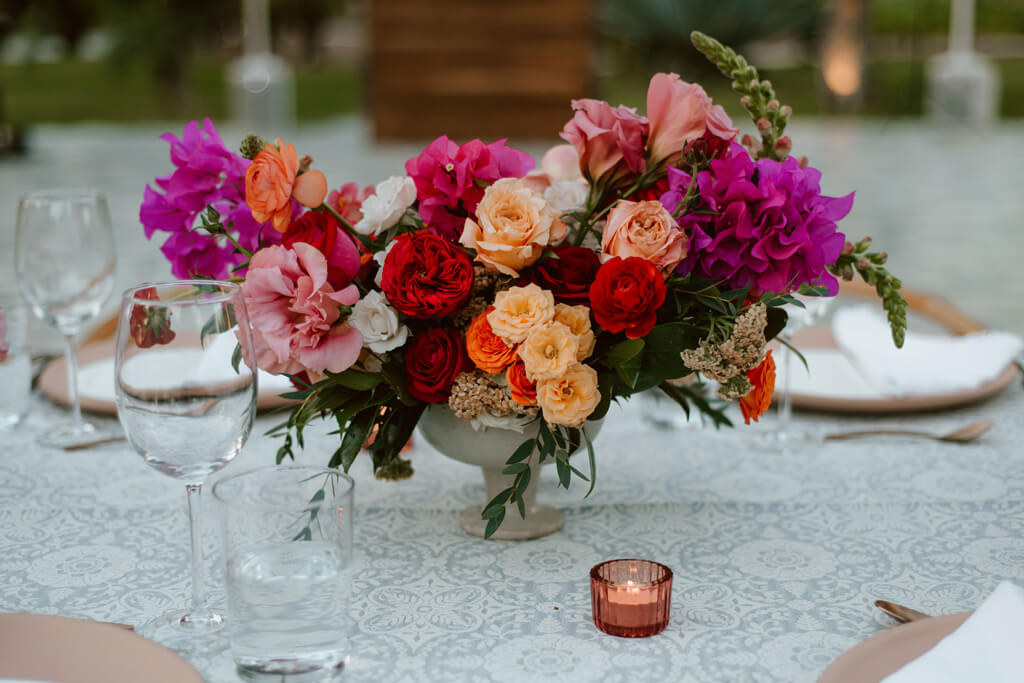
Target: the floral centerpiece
pixel 646 250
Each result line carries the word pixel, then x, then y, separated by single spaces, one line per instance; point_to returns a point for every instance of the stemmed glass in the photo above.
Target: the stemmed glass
pixel 813 312
pixel 186 400
pixel 64 259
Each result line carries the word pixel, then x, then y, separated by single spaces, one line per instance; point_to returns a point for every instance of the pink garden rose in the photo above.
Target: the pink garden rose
pixel 643 229
pixel 348 201
pixel 4 345
pixel 680 112
pixel 294 313
pixel 609 140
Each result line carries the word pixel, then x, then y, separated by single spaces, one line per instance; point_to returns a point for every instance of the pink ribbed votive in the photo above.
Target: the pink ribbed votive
pixel 631 598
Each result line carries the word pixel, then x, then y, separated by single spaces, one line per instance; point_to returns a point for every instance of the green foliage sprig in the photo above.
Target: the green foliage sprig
pixel 871 267
pixel 756 96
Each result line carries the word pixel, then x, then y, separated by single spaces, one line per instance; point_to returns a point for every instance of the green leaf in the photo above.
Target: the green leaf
pixel 356 379
pixel 523 481
pixel 495 511
pixel 524 451
pixel 498 502
pixel 494 523
pixel 777 318
pixel 548 441
pixel 623 352
pixel 355 436
pixel 521 505
pixel 236 357
pixel 564 473
pixel 605 385
pixel 592 460
pixel 516 468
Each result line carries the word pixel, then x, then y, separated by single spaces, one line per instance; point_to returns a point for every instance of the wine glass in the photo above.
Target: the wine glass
pixel 64 259
pixel 812 312
pixel 186 400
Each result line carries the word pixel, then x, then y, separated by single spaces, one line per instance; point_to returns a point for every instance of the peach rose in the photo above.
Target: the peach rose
pixel 271 181
pixel 570 399
pixel 517 310
pixel 548 351
pixel 488 351
pixel 577 319
pixel 513 226
pixel 523 391
pixel 644 229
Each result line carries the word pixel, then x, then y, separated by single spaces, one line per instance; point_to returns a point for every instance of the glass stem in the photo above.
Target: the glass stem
pixel 71 363
pixel 199 611
pixel 786 409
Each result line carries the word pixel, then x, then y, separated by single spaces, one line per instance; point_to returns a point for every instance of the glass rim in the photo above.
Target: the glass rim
pixel 595 573
pixel 229 291
pixel 313 470
pixel 62 193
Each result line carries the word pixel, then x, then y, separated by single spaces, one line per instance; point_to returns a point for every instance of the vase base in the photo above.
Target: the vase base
pixel 541 520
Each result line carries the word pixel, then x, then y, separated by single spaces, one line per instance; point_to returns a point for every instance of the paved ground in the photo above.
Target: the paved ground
pixel 945 204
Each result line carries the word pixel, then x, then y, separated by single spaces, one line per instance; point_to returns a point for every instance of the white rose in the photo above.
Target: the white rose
pixel 379 258
pixel 378 323
pixel 385 208
pixel 567 195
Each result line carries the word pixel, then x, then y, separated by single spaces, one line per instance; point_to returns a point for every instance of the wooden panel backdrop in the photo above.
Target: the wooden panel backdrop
pixel 477 68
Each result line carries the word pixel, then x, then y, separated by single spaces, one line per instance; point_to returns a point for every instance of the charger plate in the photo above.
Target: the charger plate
pixel 887 652
pixel 61 650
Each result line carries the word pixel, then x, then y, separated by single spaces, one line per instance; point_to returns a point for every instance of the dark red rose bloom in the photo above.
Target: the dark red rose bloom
pixel 569 276
pixel 433 360
pixel 708 146
pixel 626 295
pixel 651 192
pixel 426 276
pixel 150 325
pixel 321 230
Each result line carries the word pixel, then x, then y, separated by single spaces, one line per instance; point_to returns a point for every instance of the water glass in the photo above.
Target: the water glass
pixel 16 368
pixel 288 547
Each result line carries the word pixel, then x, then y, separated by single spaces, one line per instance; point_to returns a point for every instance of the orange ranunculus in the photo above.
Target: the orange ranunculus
pixel 272 179
pixel 488 351
pixel 757 401
pixel 524 392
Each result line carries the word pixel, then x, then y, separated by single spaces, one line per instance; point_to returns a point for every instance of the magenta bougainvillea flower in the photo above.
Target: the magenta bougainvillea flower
pixel 762 224
pixel 206 173
pixel 451 179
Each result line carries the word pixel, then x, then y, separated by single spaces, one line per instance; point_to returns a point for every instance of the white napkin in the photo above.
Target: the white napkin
pixel 927 364
pixel 987 647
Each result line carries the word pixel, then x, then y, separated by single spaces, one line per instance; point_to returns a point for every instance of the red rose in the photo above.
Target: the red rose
pixel 626 295
pixel 322 231
pixel 425 276
pixel 651 192
pixel 433 360
pixel 569 276
pixel 150 325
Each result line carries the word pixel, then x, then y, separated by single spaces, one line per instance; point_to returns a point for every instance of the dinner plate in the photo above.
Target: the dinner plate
pixel 96 381
pixel 843 390
pixel 887 652
pixel 40 647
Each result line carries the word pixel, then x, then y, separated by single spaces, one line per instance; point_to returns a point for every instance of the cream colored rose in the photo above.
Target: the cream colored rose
pixel 577 319
pixel 548 351
pixel 518 309
pixel 570 399
pixel 644 229
pixel 513 226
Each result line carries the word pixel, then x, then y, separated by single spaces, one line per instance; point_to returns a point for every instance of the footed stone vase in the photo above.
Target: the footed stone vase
pixel 488 449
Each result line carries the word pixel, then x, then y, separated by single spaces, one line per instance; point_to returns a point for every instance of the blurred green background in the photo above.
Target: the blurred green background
pixel 120 60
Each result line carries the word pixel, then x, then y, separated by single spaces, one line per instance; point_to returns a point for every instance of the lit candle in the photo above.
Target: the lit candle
pixel 631 597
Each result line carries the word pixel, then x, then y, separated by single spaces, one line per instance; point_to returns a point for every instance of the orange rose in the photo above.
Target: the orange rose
pixel 757 401
pixel 272 179
pixel 577 319
pixel 524 392
pixel 488 351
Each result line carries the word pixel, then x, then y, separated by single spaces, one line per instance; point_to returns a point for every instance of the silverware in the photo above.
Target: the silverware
pixel 899 612
pixel 92 444
pixel 964 434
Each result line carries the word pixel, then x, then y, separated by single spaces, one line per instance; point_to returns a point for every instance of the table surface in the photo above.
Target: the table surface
pixel 777 556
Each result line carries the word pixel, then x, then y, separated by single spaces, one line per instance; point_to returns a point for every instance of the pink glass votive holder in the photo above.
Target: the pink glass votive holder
pixel 631 598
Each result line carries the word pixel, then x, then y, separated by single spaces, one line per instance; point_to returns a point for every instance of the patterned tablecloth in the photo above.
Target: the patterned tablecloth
pixel 777 556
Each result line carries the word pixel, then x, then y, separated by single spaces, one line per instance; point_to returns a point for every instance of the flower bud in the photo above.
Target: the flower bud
pixel 865 243
pixel 251 146
pixel 764 124
pixel 744 101
pixel 304 163
pixel 848 248
pixel 773 105
pixel 751 143
pixel 883 257
pixel 804 161
pixel 787 111
pixel 783 145
pixel 863 264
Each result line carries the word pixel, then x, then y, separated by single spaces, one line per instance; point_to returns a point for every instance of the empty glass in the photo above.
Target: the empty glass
pixel 15 364
pixel 288 548
pixel 64 259
pixel 187 402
